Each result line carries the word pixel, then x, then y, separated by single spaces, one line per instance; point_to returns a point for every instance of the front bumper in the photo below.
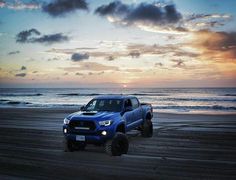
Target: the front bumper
pixel 91 137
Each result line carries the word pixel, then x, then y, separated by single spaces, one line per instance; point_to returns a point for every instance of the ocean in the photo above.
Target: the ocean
pixel 169 100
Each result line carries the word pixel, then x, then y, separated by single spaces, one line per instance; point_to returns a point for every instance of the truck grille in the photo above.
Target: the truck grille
pixel 82 125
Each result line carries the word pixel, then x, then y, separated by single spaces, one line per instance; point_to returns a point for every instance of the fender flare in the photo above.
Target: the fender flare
pixel 148 114
pixel 121 123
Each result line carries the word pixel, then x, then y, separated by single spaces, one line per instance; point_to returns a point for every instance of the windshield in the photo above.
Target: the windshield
pixel 114 105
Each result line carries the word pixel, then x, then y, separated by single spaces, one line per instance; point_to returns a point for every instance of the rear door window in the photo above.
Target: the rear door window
pixel 135 103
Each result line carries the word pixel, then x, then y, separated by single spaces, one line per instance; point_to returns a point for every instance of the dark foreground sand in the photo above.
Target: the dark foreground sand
pixel 183 147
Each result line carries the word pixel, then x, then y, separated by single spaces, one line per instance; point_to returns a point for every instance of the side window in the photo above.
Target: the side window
pixel 135 103
pixel 128 103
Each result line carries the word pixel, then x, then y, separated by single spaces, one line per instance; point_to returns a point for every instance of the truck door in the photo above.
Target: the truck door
pixel 137 112
pixel 128 115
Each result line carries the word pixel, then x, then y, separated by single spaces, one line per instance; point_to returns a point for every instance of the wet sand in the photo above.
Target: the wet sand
pixel 184 146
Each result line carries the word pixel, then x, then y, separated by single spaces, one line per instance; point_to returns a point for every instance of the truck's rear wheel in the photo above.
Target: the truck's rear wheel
pixel 147 128
pixel 118 145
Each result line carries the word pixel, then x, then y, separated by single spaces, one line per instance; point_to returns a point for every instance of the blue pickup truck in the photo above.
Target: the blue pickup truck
pixel 105 121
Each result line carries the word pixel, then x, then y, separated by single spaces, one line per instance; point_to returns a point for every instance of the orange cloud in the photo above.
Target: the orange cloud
pixel 219 46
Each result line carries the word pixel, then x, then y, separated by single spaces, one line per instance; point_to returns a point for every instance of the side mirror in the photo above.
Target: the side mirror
pixel 128 108
pixel 82 108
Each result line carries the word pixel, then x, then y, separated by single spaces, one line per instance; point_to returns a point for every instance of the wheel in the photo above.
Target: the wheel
pixel 80 145
pixel 147 128
pixel 68 146
pixel 118 145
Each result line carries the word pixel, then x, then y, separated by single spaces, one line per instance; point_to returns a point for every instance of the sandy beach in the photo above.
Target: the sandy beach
pixel 184 146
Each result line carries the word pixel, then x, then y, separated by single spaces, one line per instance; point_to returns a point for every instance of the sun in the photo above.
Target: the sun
pixel 124 86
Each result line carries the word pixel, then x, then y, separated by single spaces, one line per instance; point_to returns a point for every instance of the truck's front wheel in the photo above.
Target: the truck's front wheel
pixel 68 146
pixel 118 145
pixel 147 128
pixel 72 146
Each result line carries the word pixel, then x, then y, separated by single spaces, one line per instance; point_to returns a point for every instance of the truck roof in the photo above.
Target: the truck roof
pixel 112 96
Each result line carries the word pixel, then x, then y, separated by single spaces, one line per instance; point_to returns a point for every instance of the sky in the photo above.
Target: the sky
pixel 129 44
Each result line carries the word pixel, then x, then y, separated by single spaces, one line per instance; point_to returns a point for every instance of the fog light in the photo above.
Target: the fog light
pixel 104 133
pixel 65 131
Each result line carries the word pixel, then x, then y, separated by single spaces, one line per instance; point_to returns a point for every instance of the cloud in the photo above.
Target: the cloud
pixel 196 22
pixel 134 54
pixel 115 7
pixel 193 17
pixel 175 50
pixel 108 55
pixel 34 36
pixel 19 5
pixel 54 59
pixel 179 63
pixel 52 38
pixel 79 57
pixel 159 64
pixel 13 52
pixel 182 53
pixel 91 66
pixel 222 41
pixel 59 8
pixel 110 58
pixel 79 74
pixel 159 17
pixel 215 45
pixel 133 50
pixel 20 75
pixel 132 70
pixel 2 3
pixel 146 16
pixel 99 73
pixel 23 68
pixel 23 36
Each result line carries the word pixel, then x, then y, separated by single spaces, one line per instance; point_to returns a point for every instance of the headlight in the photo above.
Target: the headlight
pixel 66 121
pixel 105 123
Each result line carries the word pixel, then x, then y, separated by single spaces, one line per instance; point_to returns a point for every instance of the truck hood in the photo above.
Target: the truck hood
pixel 93 115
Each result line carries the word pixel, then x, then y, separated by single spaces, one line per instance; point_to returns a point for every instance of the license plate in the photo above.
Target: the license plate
pixel 80 138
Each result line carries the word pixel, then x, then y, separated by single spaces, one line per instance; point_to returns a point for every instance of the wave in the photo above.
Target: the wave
pixel 149 94
pixel 214 107
pixel 229 94
pixel 77 94
pixel 21 94
pixel 9 102
pixel 199 99
pixel 97 94
pixel 3 100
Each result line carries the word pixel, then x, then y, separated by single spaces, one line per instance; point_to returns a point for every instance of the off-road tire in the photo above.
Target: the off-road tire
pixel 118 145
pixel 147 128
pixel 80 146
pixel 68 146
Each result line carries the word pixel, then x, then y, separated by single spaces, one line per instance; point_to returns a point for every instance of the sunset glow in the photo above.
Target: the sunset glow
pixel 191 44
